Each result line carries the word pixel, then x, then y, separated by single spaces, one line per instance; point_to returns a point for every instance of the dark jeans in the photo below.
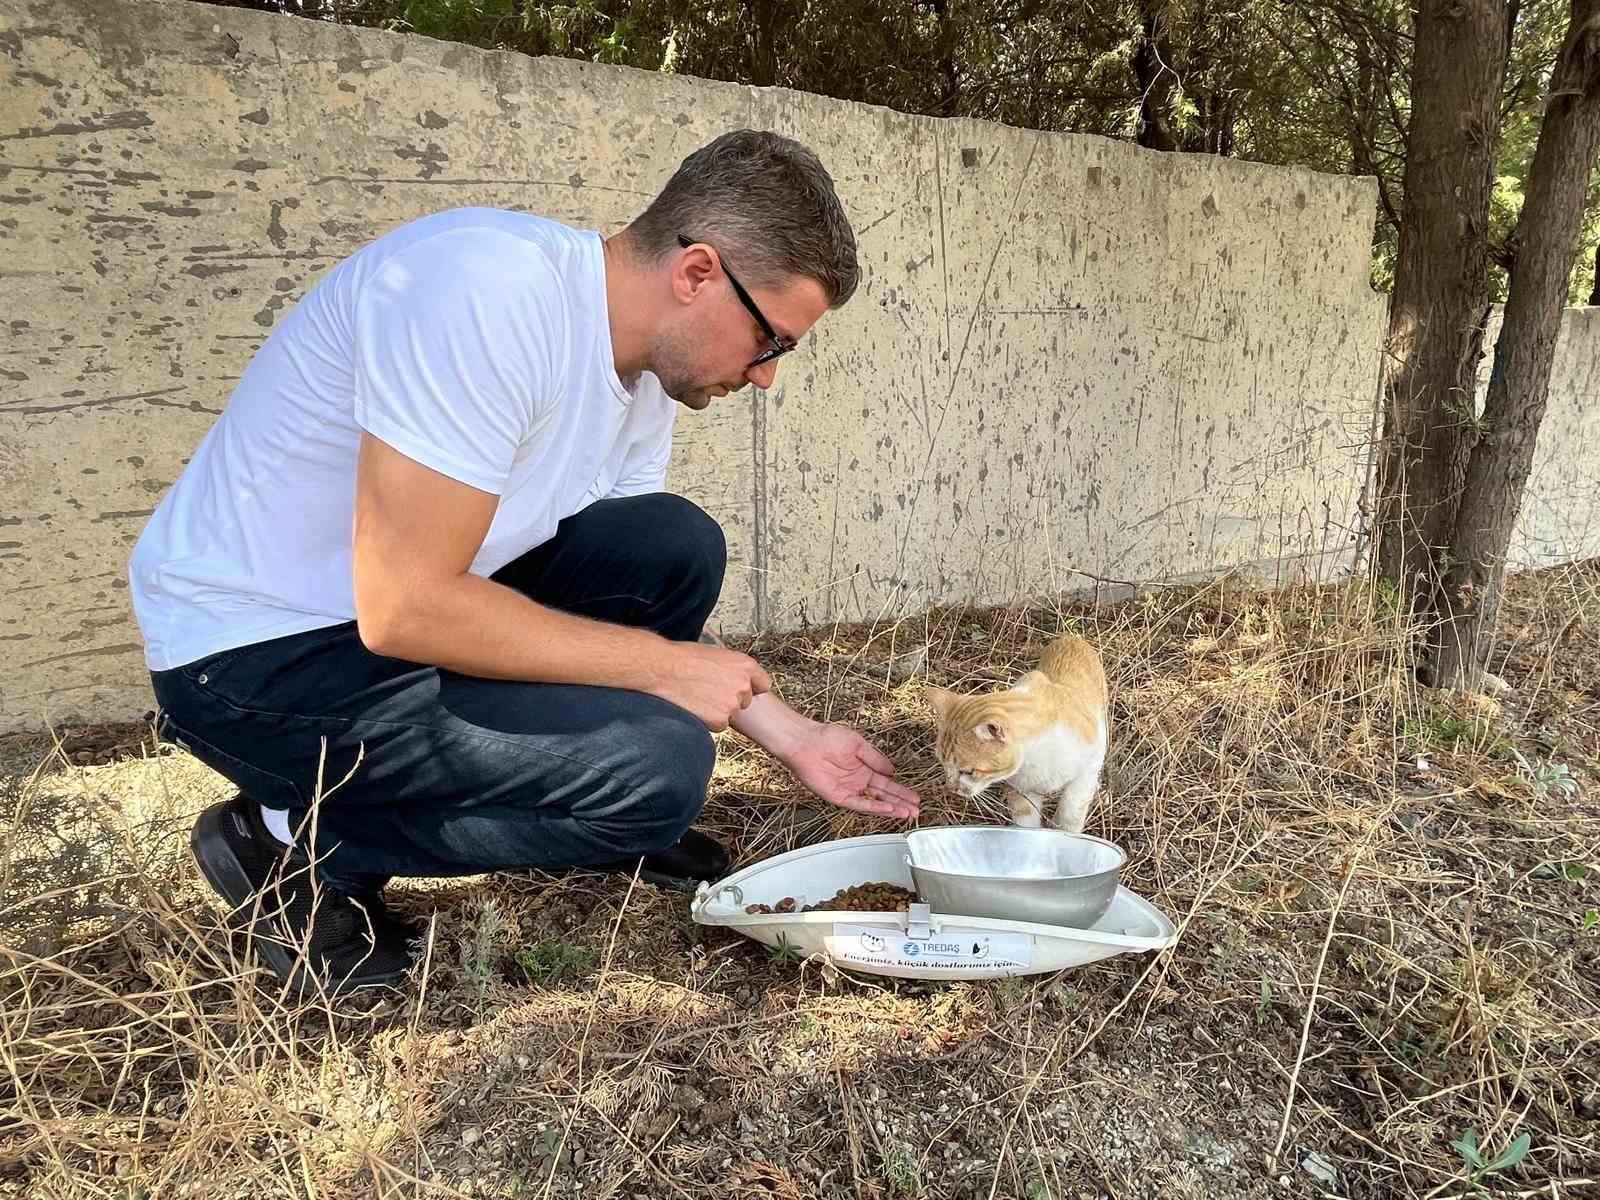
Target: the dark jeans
pixel 452 774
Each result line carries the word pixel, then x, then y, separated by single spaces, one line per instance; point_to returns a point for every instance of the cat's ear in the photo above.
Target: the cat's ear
pixel 991 731
pixel 938 698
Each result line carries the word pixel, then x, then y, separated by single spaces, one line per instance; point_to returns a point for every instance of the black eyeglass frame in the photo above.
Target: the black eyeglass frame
pixel 781 345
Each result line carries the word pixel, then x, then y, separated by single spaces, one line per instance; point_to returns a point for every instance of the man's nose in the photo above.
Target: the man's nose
pixel 763 375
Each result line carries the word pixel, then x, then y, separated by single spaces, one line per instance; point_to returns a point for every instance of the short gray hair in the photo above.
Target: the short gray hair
pixel 766 202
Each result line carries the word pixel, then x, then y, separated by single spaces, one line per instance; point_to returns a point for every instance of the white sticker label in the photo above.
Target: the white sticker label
pixel 884 946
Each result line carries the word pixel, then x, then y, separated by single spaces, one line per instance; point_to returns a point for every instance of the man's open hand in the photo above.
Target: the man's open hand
pixel 843 768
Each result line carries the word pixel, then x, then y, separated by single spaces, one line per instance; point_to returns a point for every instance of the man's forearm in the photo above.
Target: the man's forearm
pixel 768 721
pixel 478 627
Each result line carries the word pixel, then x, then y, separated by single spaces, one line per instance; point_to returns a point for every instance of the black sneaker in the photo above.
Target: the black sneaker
pixel 344 942
pixel 681 866
pixel 404 928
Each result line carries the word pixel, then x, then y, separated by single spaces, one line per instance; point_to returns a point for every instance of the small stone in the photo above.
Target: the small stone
pixel 1319 1168
pixel 578 1156
pixel 686 1099
pixel 470 1136
pixel 908 665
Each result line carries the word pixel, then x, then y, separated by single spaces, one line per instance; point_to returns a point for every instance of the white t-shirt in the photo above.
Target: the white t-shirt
pixel 475 341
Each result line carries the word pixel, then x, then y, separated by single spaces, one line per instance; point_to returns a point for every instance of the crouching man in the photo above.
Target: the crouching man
pixel 423 568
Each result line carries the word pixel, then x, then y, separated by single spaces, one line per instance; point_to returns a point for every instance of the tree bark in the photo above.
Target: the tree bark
pixel 1152 71
pixel 1441 290
pixel 1546 243
pixel 763 42
pixel 949 103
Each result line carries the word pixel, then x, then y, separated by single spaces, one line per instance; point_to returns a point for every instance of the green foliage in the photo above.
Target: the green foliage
pixel 1477 1166
pixel 550 961
pixel 481 951
pixel 784 952
pixel 900 1171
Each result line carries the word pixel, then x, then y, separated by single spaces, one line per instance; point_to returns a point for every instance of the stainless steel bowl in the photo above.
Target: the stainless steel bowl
pixel 1040 875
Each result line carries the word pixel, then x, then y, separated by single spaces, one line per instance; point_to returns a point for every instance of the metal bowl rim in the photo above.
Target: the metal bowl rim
pixel 1115 868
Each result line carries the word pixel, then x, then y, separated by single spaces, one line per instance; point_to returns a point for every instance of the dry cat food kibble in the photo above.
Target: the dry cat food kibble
pixel 862 897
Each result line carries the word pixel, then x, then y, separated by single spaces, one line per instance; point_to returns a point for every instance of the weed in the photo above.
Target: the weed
pixel 550 961
pixel 1388 595
pixel 1011 991
pixel 900 1172
pixel 784 952
pixel 1478 1167
pixel 1450 731
pixel 1547 776
pixel 482 951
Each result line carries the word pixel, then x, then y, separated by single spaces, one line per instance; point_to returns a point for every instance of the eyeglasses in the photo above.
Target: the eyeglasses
pixel 780 345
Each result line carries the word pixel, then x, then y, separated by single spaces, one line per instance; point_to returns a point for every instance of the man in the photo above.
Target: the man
pixel 422 572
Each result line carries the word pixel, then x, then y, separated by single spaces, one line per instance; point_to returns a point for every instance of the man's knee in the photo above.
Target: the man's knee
pixel 689 538
pixel 678 788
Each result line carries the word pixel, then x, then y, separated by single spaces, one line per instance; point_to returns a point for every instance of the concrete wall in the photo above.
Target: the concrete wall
pixel 1560 517
pixel 1069 358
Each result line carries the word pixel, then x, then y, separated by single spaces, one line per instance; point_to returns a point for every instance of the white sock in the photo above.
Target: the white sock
pixel 277 822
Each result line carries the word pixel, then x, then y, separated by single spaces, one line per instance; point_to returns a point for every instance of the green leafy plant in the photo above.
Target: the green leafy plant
pixel 482 950
pixel 1448 731
pixel 1012 990
pixel 1477 1166
pixel 900 1172
pixel 1547 776
pixel 784 951
pixel 550 961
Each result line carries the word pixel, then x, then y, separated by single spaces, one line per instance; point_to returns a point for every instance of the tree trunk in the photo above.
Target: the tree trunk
pixel 1152 71
pixel 1546 243
pixel 763 42
pixel 1441 290
pixel 949 104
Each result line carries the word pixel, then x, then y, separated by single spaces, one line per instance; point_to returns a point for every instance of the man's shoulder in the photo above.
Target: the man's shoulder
pixel 490 225
pixel 472 248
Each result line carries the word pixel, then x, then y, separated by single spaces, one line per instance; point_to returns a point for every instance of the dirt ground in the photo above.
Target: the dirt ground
pixel 1389 912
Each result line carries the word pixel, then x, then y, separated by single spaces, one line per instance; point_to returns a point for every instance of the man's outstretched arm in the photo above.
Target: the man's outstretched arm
pixel 416 534
pixel 835 763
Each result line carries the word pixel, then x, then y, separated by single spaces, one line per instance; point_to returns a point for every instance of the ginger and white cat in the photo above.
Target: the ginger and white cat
pixel 1044 737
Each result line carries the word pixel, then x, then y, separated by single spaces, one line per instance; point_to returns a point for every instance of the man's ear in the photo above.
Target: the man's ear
pixel 693 270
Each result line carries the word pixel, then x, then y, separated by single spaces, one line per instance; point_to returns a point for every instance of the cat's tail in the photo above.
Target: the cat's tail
pixel 1071 661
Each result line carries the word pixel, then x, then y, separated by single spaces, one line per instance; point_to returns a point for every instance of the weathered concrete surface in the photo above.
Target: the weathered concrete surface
pixel 1068 358
pixel 1560 516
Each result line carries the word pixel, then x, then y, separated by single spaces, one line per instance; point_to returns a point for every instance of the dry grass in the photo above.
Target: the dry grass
pixel 1375 958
